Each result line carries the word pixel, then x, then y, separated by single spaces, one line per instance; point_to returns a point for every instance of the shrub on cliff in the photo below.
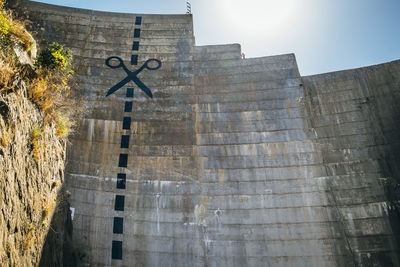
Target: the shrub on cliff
pixel 51 90
pixel 55 57
pixel 12 30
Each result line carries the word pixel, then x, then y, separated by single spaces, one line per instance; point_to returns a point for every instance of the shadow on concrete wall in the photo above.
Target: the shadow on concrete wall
pixel 58 247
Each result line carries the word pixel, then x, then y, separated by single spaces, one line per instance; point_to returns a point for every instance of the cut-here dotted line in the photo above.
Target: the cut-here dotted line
pixel 118 224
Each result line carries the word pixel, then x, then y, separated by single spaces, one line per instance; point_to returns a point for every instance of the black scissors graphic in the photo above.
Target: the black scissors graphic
pixel 132 75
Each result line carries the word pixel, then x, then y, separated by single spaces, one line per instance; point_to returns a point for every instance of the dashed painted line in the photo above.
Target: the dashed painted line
pixel 118 223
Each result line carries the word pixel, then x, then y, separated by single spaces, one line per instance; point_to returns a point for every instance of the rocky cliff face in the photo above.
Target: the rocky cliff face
pixel 33 209
pixel 29 179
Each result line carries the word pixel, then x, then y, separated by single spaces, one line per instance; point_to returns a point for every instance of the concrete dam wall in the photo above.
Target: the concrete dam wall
pixel 198 157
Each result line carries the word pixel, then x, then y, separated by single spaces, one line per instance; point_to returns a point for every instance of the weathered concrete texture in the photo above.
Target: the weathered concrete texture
pixel 233 162
pixel 355 117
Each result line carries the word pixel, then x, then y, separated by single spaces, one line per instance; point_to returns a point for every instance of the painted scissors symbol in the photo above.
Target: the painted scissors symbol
pixel 132 75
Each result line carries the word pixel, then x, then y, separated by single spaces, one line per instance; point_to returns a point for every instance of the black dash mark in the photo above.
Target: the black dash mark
pixel 136 33
pixel 123 160
pixel 134 59
pixel 118 227
pixel 129 92
pixel 125 141
pixel 119 202
pixel 116 251
pixel 128 106
pixel 135 46
pixel 126 124
pixel 121 180
pixel 138 21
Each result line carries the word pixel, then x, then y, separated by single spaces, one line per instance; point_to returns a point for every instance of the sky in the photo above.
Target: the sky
pixel 325 35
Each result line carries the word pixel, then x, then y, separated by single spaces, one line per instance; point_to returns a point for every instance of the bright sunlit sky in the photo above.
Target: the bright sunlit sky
pixel 325 35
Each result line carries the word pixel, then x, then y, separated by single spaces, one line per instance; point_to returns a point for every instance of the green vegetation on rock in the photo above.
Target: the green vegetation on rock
pixel 12 30
pixel 55 57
